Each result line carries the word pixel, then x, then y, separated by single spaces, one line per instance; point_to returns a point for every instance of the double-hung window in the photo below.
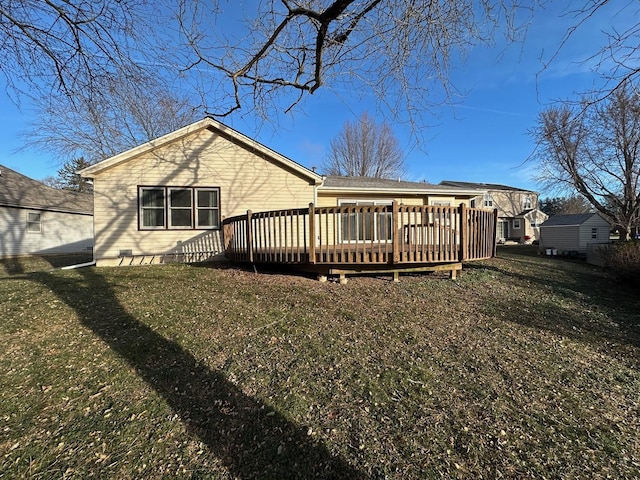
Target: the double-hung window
pixel 34 222
pixel 152 208
pixel 178 208
pixel 207 208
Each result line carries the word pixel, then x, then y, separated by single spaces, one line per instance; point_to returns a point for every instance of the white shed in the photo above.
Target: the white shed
pixel 572 233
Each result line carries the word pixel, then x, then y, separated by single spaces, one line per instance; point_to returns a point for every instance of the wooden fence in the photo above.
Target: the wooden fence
pixel 353 235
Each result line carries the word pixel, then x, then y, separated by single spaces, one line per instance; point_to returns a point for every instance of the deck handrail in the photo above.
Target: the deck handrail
pixel 362 234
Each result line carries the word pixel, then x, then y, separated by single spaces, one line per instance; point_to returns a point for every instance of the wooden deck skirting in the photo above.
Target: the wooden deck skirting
pixel 346 238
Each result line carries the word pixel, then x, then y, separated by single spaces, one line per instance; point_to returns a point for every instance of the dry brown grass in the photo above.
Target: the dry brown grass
pixel 526 367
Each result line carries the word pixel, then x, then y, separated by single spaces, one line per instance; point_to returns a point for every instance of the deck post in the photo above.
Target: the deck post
pixel 249 236
pixel 227 234
pixel 463 232
pixel 312 234
pixel 494 248
pixel 395 232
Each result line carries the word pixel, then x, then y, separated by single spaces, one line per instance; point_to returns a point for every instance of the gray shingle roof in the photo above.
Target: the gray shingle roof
pixel 17 190
pixel 481 186
pixel 573 219
pixel 385 183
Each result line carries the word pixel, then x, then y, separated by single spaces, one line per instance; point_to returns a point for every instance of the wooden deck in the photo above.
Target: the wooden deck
pixel 353 239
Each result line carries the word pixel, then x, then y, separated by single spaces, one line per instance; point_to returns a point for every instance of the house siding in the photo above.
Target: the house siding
pixel 602 234
pixel 560 237
pixel 575 237
pixel 247 181
pixel 60 233
pixel 511 203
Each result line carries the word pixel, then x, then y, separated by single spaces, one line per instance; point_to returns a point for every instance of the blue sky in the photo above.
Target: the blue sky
pixel 481 139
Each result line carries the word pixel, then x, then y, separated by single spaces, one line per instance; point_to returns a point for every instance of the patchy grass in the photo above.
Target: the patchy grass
pixel 39 263
pixel 526 367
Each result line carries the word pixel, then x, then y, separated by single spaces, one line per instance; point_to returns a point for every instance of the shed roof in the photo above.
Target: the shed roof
pixel 17 190
pixel 572 219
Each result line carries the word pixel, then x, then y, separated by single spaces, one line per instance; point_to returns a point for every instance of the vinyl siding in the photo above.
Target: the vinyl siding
pixel 603 231
pixel 511 203
pixel 574 237
pixel 206 159
pixel 60 233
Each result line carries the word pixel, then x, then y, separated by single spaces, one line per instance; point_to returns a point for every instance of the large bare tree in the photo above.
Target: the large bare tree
pixel 365 148
pixel 397 51
pixel 617 59
pixel 125 111
pixel 268 55
pixel 595 150
pixel 66 45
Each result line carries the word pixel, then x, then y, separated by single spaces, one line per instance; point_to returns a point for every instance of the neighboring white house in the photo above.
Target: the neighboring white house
pixel 37 220
pixel 573 233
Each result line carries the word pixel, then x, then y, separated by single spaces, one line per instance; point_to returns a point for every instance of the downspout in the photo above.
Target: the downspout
pixel 315 190
pixel 79 265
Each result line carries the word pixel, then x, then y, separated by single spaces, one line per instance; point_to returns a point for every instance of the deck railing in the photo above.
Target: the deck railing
pixel 366 234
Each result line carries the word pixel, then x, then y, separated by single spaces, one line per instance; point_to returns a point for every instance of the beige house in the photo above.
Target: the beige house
pixel 39 220
pixel 171 195
pixel 519 218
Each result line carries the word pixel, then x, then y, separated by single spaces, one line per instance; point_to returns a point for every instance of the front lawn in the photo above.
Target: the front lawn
pixel 526 367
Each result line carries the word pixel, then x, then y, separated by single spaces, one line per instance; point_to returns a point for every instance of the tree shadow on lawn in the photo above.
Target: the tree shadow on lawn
pixel 251 439
pixel 558 287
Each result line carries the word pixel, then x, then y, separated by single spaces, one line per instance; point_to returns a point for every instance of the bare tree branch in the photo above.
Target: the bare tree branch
pixel 399 51
pixel 365 149
pixel 596 152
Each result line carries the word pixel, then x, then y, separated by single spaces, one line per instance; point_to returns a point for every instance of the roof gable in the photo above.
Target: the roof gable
pixel 20 191
pixel 205 124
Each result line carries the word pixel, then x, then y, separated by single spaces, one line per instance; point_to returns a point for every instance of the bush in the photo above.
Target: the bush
pixel 623 260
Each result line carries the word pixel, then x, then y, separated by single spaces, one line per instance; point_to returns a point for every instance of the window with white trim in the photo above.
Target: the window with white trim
pixel 594 233
pixel 359 225
pixel 516 223
pixel 178 208
pixel 527 204
pixel 34 222
pixel 488 200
